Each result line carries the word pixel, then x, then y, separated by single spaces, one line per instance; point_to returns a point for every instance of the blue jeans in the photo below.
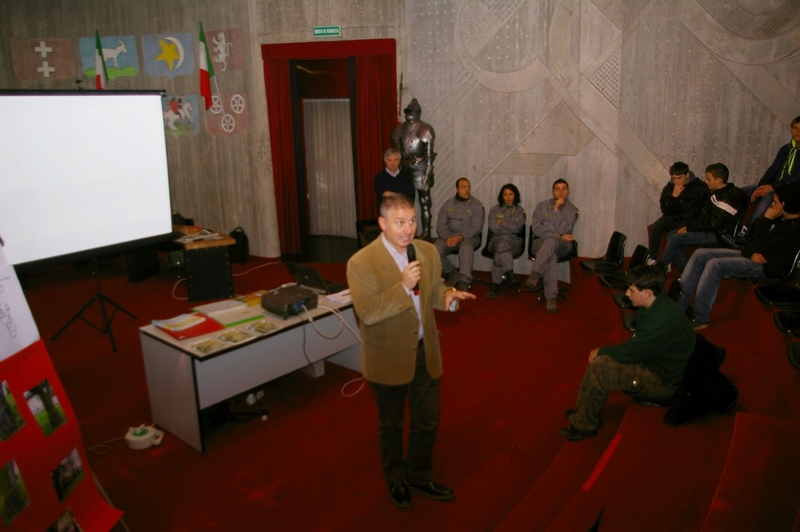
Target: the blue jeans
pixel 763 204
pixel 674 252
pixel 706 269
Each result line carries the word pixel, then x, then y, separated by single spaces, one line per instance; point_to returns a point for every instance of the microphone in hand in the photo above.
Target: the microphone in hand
pixel 412 256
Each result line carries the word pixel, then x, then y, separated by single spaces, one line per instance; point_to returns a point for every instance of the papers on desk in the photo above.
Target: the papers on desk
pixel 239 319
pixel 231 312
pixel 341 297
pixel 219 306
pixel 252 299
pixel 229 337
pixel 204 234
pixel 262 327
pixel 187 326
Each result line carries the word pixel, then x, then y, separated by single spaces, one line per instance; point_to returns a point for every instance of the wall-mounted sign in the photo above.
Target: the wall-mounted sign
pixel 327 31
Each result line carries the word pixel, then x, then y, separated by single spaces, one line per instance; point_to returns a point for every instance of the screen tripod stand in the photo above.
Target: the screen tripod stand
pixel 102 300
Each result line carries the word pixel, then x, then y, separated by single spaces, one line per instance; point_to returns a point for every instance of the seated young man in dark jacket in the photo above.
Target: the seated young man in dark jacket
pixel 681 200
pixel 717 217
pixel 781 170
pixel 651 363
pixel 769 252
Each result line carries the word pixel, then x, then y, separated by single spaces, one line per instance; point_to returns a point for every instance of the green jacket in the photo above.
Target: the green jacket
pixel 663 341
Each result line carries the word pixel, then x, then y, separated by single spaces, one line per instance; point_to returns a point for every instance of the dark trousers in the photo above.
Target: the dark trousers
pixel 423 406
pixel 658 230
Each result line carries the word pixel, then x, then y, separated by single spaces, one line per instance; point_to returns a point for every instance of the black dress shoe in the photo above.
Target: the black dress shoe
pixel 493 291
pixel 400 495
pixel 569 411
pixel 434 490
pixel 573 433
pixel 510 280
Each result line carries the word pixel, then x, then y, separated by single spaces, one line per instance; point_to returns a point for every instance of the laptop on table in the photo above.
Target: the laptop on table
pixel 309 277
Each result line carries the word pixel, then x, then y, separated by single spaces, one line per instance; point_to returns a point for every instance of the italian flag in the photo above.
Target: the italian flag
pixel 206 69
pixel 100 76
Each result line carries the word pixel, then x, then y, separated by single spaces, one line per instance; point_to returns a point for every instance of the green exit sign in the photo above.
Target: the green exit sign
pixel 327 31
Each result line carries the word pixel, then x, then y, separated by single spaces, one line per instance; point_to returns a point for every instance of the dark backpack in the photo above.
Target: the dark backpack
pixel 240 251
pixel 704 388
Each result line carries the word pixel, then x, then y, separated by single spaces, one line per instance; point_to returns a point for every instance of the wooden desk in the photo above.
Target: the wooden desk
pixel 208 268
pixel 182 381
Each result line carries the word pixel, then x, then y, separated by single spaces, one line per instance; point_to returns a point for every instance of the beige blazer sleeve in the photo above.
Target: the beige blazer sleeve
pixel 387 317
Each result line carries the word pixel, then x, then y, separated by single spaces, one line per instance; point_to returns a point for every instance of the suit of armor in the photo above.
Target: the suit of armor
pixel 414 140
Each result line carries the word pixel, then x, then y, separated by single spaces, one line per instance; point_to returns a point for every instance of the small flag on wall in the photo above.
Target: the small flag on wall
pixel 206 69
pixel 43 59
pixel 168 54
pixel 119 54
pixel 100 76
pixel 226 50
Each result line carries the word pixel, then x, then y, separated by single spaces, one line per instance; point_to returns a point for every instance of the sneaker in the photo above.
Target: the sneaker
pixel 533 281
pixel 493 291
pixel 665 268
pixel 569 411
pixel 573 433
pixel 552 305
pixel 697 324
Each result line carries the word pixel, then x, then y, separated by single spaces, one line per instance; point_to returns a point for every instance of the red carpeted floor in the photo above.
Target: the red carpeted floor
pixel 510 371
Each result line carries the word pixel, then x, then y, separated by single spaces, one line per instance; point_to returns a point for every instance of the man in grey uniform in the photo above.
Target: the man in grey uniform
pixel 459 228
pixel 552 224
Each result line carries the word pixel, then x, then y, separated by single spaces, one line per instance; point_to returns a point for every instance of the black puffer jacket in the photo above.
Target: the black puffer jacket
pixel 720 212
pixel 690 201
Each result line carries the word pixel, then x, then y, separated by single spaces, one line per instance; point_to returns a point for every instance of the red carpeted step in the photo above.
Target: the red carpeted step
pixel 669 471
pixel 565 476
pixel 759 488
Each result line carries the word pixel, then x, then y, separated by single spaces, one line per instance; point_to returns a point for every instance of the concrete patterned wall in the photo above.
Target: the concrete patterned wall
pixel 604 93
pixel 222 181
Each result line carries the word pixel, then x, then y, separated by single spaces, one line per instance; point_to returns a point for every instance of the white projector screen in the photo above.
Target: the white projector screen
pixel 81 171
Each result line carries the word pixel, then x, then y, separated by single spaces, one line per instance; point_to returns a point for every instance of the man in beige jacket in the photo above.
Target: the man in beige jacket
pixel 396 284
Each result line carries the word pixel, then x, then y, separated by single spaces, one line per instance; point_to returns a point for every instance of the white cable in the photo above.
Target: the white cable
pixel 339 314
pixel 348 383
pixel 311 321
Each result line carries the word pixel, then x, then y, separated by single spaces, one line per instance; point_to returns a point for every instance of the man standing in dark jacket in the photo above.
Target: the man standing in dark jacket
pixel 681 200
pixel 769 252
pixel 719 216
pixel 393 179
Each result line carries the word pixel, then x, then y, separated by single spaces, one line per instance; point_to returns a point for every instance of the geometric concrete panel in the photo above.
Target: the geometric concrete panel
pixel 606 78
pixel 575 131
pixel 526 164
pixel 620 12
pixel 547 138
pixel 763 25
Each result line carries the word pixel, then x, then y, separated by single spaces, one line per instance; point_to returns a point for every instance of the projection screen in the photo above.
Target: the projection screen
pixel 81 173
